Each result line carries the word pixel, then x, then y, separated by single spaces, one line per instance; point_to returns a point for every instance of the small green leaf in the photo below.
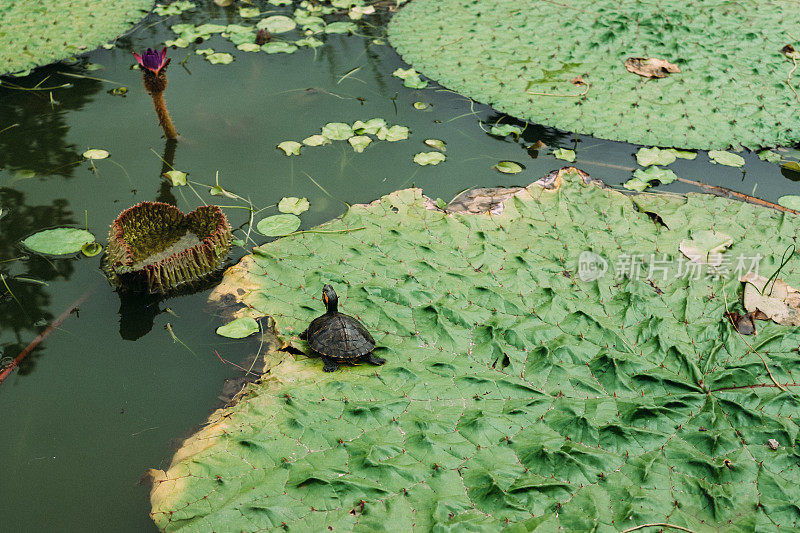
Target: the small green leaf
pixel 338 131
pixel 293 205
pixel 278 225
pixel 508 167
pixel 277 24
pixel 95 153
pixel 249 12
pixel 359 142
pixel 729 159
pixel 249 47
pixel 204 51
pixel 769 156
pixel 238 242
pixel 794 166
pixel 654 156
pixel 219 58
pixel 216 190
pixel 410 78
pixel 436 143
pixel 506 129
pixel 429 158
pixel 180 42
pixel 311 42
pixel 239 328
pixel 682 154
pixel 644 178
pixel 340 27
pixel 395 133
pixel 91 249
pixel 290 147
pixel 279 47
pixel 176 177
pixel 636 184
pixel 316 140
pixel 441 204
pixel 59 241
pixel 791 201
pixel 565 154
pixel 371 126
pixel 421 105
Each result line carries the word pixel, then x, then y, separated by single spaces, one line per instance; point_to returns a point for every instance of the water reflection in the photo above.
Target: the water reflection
pixel 38 141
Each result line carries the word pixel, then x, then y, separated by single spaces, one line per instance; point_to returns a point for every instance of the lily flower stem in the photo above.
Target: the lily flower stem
pixel 164 119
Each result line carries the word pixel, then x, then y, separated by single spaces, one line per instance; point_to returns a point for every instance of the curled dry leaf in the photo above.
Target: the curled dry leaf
pixel 744 324
pixel 772 444
pixel 790 52
pixel 577 80
pixel 779 302
pixel 650 67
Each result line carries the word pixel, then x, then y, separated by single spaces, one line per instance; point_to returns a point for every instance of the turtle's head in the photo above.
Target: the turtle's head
pixel 330 299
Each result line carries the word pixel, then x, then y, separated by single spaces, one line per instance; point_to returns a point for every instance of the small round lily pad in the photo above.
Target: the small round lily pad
pixel 278 225
pixel 58 241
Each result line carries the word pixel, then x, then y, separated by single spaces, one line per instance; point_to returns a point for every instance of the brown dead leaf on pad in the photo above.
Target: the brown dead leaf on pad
pixel 780 302
pixel 650 67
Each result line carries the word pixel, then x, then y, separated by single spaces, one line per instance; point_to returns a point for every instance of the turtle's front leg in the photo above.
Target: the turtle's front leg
pixel 375 360
pixel 329 365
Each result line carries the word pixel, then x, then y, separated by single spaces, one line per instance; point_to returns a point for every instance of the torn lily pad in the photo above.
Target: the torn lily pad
pixel 729 159
pixel 58 241
pixel 769 156
pixel 429 158
pixel 290 147
pixel 371 126
pixel 359 142
pixel 682 154
pixel 293 205
pixel 437 144
pixel 154 247
pixel 176 177
pixel 506 129
pixel 219 58
pixel 706 247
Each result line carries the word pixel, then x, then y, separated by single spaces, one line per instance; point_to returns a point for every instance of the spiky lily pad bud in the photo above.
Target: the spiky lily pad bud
pixel 154 247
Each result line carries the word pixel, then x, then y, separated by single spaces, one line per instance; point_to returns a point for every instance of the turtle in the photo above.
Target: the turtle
pixel 337 337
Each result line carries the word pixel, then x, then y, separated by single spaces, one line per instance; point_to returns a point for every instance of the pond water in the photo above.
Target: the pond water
pixel 109 393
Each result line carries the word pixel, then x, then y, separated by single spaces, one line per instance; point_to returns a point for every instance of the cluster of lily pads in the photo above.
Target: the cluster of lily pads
pixel 306 21
pixel 510 167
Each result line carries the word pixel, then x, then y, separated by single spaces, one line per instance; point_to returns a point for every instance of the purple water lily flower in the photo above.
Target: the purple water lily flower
pixel 153 60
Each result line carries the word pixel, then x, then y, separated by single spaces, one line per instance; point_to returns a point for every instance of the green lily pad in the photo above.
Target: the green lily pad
pixel 393 134
pixel 725 158
pixel 176 177
pixel 91 249
pixel 309 41
pixel 421 105
pixel 792 201
pixel 316 140
pixel 248 47
pixel 436 143
pixel 731 89
pixel 59 241
pixel 278 225
pixel 340 27
pixel 95 153
pixel 371 126
pixel 410 78
pixel 429 158
pixel 530 370
pixel 249 12
pixel 290 147
pixel 682 154
pixel 506 129
pixel 337 131
pixel 508 167
pixel 359 142
pixel 644 178
pixel 174 8
pixel 239 328
pixel 277 24
pixel 279 47
pixel 769 156
pixel 39 32
pixel 293 205
pixel 654 156
pixel 564 153
pixel 219 58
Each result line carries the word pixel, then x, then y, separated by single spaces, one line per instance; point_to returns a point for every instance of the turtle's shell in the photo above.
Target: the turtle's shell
pixel 339 336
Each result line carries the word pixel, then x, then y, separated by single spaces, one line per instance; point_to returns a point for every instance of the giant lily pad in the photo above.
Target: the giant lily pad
pixel 43 31
pixel 515 394
pixel 521 57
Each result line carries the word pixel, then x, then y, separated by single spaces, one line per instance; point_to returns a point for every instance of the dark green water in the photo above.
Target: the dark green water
pixel 109 394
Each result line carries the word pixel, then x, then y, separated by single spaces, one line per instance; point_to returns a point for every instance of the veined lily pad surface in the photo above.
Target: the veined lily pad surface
pixel 562 64
pixel 522 389
pixel 38 32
